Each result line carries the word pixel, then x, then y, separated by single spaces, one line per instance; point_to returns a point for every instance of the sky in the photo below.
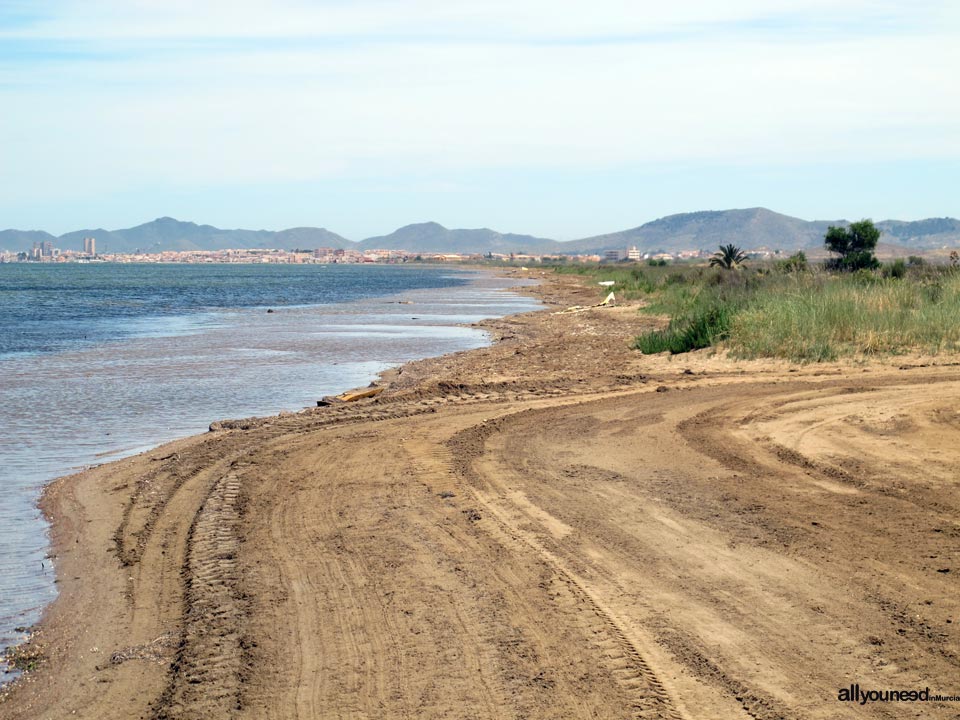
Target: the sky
pixel 558 119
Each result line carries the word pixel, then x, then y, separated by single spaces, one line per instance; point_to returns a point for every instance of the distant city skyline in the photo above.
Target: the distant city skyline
pixel 520 116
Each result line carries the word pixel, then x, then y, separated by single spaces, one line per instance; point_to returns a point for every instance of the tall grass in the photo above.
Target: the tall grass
pixel 814 318
pixel 802 316
pixel 632 281
pixel 698 330
pixel 701 304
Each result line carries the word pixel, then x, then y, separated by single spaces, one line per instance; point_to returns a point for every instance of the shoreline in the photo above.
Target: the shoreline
pixel 121 453
pixel 130 422
pixel 468 502
pixel 32 649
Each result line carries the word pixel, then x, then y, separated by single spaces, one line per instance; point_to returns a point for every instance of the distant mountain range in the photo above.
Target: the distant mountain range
pixel 751 229
pixel 169 234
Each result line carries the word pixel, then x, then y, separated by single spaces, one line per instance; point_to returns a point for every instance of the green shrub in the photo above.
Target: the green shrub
pixel 865 277
pixel 698 331
pixel 932 291
pixel 795 263
pixel 896 269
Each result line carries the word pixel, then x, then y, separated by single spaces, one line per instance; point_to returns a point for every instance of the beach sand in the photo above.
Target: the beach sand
pixel 552 527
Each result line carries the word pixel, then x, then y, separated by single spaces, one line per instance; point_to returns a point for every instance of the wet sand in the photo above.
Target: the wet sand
pixel 552 527
pixel 62 411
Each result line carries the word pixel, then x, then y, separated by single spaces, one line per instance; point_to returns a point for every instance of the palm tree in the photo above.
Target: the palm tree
pixel 728 257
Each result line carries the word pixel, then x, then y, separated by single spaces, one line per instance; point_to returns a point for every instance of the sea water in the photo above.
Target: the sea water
pixel 101 361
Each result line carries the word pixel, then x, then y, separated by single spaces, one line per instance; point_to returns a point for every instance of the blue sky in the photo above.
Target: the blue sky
pixel 557 119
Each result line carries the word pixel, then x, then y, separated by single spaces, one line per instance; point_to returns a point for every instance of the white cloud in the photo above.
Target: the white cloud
pixel 384 100
pixel 180 19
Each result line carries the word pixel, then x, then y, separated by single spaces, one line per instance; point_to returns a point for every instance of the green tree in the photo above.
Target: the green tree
pixel 728 257
pixel 854 245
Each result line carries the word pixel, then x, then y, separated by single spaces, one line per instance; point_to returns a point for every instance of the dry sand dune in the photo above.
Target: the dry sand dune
pixel 553 527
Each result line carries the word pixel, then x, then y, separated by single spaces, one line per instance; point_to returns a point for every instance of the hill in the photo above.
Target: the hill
pixel 758 227
pixel 433 237
pixel 169 234
pixel 929 234
pixel 750 228
pixel 17 240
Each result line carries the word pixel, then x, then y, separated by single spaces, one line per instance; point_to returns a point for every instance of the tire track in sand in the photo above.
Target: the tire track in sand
pixel 207 674
pixel 622 651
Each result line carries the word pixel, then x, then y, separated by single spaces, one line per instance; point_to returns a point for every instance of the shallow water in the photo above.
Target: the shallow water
pixel 143 380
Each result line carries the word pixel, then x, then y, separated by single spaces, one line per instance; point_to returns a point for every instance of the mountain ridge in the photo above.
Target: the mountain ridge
pixel 434 237
pixel 750 228
pixel 167 233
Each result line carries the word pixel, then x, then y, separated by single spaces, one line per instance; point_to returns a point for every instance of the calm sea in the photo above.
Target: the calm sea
pixel 100 361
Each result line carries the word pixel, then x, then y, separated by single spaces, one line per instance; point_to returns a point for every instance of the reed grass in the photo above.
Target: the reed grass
pixel 814 318
pixel 810 316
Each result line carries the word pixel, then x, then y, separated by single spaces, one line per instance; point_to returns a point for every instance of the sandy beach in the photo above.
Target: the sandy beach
pixel 555 526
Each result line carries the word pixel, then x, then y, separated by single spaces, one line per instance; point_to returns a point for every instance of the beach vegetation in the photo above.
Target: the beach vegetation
pixel 794 309
pixel 824 317
pixel 896 269
pixel 795 263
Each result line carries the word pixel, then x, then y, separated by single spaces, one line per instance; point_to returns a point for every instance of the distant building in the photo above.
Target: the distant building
pixel 612 256
pixel 42 249
pixel 89 246
pixel 633 253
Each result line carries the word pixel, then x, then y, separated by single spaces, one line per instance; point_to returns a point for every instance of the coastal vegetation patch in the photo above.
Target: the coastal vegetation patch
pixel 793 309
